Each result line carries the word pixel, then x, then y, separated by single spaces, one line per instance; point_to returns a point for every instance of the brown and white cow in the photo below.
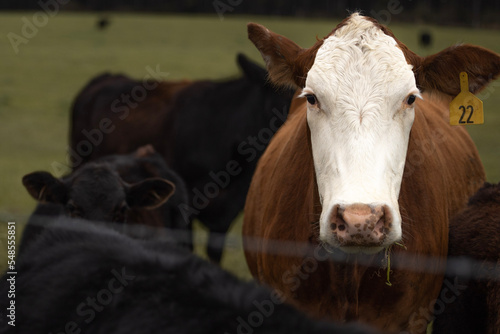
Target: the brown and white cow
pixel 365 160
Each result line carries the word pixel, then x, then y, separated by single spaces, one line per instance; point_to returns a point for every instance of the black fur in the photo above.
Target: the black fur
pixel 132 169
pixel 84 276
pixel 474 264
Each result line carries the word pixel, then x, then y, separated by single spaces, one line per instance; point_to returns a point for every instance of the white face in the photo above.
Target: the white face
pixel 360 111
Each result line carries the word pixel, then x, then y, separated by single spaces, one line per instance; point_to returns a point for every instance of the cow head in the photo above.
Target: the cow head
pixel 96 192
pixel 361 86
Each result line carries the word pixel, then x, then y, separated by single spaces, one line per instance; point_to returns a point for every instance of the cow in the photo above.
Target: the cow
pixel 108 111
pixel 473 306
pixel 132 189
pixel 210 132
pixel 366 166
pixel 84 277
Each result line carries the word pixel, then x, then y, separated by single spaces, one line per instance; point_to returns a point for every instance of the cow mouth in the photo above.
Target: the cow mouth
pixel 353 249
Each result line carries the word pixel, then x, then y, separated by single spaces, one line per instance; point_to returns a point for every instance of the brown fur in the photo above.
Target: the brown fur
pixel 289 63
pixel 442 170
pixel 152 114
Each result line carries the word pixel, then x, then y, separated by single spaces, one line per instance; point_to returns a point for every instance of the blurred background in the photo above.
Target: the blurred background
pixel 479 13
pixel 51 48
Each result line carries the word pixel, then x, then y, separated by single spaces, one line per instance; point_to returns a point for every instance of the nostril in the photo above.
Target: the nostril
pixel 380 226
pixel 335 219
pixel 338 223
pixel 384 223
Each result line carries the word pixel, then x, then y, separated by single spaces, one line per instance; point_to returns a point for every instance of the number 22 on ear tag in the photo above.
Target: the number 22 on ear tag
pixel 466 108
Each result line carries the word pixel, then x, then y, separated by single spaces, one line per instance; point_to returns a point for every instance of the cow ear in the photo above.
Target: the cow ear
pixel 441 71
pixel 251 70
pixel 287 63
pixel 150 193
pixel 45 188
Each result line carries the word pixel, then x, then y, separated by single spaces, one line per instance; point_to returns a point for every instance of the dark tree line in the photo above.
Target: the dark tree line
pixel 453 12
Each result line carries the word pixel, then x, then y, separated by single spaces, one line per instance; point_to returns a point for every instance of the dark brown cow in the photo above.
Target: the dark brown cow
pixel 474 268
pixel 345 176
pixel 106 116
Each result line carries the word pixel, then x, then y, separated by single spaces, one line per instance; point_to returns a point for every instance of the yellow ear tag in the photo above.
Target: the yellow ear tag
pixel 466 108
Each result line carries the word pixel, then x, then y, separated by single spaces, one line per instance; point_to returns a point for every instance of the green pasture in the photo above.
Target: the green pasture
pixel 38 84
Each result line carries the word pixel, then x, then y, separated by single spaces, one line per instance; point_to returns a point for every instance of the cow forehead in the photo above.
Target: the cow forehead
pixel 96 184
pixel 360 59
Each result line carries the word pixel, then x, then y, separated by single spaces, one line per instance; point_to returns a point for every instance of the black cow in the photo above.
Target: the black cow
pixel 131 188
pixel 211 132
pixel 470 297
pixel 81 277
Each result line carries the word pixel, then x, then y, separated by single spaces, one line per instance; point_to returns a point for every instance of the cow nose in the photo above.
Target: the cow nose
pixel 360 225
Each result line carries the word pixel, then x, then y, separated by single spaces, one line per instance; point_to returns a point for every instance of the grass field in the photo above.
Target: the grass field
pixel 38 84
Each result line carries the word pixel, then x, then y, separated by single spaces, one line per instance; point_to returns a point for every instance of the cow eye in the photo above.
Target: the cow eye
pixel 411 99
pixel 311 99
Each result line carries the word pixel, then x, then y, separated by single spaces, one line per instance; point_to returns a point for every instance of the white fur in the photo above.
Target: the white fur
pixel 360 131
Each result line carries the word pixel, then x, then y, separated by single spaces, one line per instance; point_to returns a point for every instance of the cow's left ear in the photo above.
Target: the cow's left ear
pixel 150 193
pixel 441 71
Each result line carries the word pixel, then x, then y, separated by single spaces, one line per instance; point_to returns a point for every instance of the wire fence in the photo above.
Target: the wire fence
pixel 468 268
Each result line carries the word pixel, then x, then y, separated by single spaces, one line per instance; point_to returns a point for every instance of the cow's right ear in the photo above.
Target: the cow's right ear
pixel 44 187
pixel 287 63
